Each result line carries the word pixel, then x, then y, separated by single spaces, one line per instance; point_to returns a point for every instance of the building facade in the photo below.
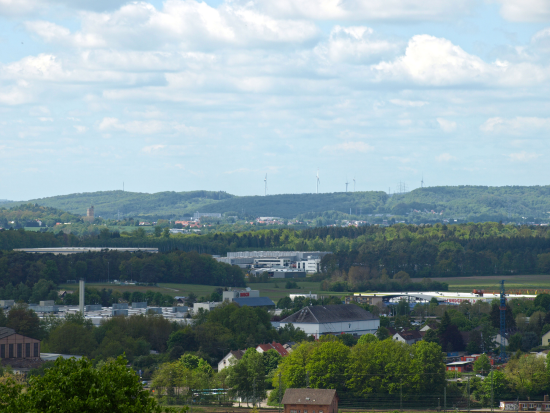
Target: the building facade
pixel 310 401
pixel 333 319
pixel 16 346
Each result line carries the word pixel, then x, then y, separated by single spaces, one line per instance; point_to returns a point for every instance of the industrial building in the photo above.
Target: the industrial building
pixel 247 297
pixel 423 297
pixel 295 262
pixel 318 320
pixel 17 346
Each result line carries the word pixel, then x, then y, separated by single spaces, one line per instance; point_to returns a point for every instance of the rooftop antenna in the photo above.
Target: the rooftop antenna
pixel 318 181
pixel 347 184
pixel 353 183
pixel 265 182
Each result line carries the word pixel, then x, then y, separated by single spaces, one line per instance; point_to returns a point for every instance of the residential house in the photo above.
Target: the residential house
pixel 527 405
pixel 232 357
pixel 546 339
pixel 279 348
pixel 310 401
pixel 408 336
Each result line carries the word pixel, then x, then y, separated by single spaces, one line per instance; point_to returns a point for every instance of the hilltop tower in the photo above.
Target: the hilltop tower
pixel 90 214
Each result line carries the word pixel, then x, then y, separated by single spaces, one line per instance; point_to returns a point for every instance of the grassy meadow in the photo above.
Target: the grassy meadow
pixel 275 290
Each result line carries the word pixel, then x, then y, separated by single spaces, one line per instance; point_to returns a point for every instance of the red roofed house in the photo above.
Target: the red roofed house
pixel 272 346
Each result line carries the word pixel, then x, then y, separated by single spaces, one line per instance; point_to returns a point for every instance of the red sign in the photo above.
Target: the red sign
pixel 245 294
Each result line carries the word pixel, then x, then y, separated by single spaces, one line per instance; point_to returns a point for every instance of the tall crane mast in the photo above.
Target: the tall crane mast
pixel 502 308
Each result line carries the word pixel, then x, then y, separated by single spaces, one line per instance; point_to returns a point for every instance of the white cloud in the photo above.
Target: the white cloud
pixel 355 44
pixel 183 24
pixel 525 10
pixel 80 128
pixel 349 147
pixel 408 103
pixel 430 60
pixel 147 127
pixel 446 125
pixel 152 148
pixel 518 125
pixel 523 156
pixel 444 157
pixel 415 10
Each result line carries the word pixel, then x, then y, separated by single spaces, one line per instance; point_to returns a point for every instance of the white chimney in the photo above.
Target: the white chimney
pixel 81 296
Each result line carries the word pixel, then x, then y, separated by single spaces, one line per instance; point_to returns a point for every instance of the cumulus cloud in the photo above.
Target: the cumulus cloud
pixel 518 125
pixel 430 60
pixel 185 24
pixel 349 147
pixel 415 10
pixel 525 10
pixel 446 125
pixel 147 127
pixel 444 157
pixel 408 103
pixel 355 44
pixel 152 148
pixel 523 156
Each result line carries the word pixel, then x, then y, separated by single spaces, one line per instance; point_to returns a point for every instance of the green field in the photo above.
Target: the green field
pixel 276 290
pixel 266 289
pixel 492 283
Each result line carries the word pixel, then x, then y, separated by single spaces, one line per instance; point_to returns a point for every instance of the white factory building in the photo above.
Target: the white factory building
pixel 307 262
pixel 446 297
pixel 318 320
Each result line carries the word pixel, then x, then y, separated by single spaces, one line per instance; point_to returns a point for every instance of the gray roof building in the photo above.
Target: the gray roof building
pixel 333 319
pixel 254 301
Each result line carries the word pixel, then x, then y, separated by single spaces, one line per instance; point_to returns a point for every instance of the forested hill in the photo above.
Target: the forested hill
pixel 108 204
pixel 465 203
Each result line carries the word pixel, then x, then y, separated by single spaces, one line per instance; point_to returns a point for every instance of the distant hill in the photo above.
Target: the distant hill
pixel 475 203
pixel 109 203
pixel 27 214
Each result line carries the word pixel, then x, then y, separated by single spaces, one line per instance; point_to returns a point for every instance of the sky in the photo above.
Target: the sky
pixel 181 95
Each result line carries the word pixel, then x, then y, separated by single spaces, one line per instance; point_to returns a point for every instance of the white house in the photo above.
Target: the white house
pixel 409 337
pixel 333 319
pixel 546 339
pixel 232 357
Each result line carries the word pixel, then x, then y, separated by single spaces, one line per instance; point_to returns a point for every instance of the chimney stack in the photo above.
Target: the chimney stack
pixel 81 295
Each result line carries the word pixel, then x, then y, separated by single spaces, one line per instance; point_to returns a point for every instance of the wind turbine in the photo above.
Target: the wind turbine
pixel 353 183
pixel 318 181
pixel 347 184
pixel 265 184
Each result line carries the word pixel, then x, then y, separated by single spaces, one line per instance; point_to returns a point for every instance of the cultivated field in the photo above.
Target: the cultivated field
pixel 532 283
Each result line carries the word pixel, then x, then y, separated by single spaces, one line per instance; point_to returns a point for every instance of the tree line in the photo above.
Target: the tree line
pixel 180 267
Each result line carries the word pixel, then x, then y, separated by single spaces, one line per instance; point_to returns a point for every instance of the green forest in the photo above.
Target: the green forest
pixel 172 267
pixel 463 203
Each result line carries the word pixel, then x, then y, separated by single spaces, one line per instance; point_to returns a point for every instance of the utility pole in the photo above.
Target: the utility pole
pixel 468 394
pixel 492 389
pixel 280 391
pixel 254 394
pixel 401 397
pixel 445 399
